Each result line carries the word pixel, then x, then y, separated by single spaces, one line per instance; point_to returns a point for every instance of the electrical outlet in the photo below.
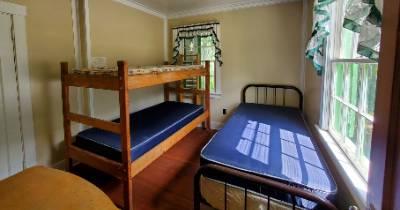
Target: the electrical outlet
pixel 224 111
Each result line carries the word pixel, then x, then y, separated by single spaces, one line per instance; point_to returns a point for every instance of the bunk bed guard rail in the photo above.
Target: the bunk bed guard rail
pixel 266 89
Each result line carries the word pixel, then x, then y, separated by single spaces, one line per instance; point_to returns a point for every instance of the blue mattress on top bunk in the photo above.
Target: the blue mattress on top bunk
pixel 149 127
pixel 273 142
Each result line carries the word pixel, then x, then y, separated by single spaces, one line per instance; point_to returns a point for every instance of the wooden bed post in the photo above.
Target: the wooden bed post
pixel 166 92
pixel 166 87
pixel 66 110
pixel 179 93
pixel 125 134
pixel 207 96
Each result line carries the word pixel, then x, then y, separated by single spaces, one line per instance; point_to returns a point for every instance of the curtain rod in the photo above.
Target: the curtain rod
pixel 196 25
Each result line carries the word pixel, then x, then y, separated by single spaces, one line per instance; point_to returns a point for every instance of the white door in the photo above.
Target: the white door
pixel 11 144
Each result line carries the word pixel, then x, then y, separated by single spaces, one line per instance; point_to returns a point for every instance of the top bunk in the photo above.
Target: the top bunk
pixel 134 78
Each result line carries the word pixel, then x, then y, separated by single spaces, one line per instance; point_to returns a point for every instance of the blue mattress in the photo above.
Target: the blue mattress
pixel 273 142
pixel 149 127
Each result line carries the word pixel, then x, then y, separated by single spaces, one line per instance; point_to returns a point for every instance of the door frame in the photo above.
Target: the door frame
pixel 19 14
pixel 383 183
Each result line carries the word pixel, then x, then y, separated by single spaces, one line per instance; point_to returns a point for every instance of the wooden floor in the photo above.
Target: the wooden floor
pixel 167 184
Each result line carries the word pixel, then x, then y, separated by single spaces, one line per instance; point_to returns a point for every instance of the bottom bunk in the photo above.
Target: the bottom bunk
pixel 149 127
pixel 264 156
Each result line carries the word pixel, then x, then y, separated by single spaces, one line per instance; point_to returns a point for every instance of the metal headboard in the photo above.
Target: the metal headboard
pixel 274 88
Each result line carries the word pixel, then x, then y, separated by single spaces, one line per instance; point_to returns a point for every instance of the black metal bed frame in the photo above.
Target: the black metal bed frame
pixel 225 174
pixel 284 89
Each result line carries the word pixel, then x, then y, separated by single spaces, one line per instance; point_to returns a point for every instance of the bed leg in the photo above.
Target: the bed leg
pixel 128 194
pixel 207 96
pixel 206 125
pixel 196 191
pixel 68 164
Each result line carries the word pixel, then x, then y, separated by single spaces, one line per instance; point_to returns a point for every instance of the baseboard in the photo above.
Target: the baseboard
pixel 216 125
pixel 59 165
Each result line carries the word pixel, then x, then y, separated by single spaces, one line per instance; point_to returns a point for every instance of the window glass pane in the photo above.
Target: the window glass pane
pixel 208 53
pixel 347 47
pixel 366 146
pixel 191 46
pixel 207 49
pixel 354 84
pixel 212 76
pixel 337 116
pixel 207 42
pixel 372 72
pixel 351 125
pixel 339 79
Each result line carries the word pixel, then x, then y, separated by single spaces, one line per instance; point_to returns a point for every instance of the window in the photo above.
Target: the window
pixel 204 48
pixel 350 98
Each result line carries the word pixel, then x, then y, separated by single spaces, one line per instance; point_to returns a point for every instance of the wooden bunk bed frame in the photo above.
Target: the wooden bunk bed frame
pixel 122 83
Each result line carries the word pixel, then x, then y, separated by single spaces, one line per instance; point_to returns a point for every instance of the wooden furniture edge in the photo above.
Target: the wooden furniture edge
pixel 182 90
pixel 66 110
pixel 110 82
pixel 125 133
pixel 92 81
pixel 147 80
pixel 99 162
pixel 146 159
pixel 97 123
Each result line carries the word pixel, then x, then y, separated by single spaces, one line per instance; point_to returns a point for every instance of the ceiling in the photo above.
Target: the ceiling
pixel 174 8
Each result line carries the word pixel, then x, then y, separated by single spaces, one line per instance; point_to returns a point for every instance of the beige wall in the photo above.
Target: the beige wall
pixel 119 32
pixel 50 40
pixel 313 83
pixel 259 45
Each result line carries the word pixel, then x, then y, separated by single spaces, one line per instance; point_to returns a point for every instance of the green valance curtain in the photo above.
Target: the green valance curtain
pixel 199 30
pixel 361 16
pixel 364 17
pixel 316 46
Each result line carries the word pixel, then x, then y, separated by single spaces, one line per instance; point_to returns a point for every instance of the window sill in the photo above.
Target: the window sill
pixel 215 95
pixel 355 182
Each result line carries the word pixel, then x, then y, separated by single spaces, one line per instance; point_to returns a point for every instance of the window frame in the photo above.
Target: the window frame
pixel 217 68
pixel 329 98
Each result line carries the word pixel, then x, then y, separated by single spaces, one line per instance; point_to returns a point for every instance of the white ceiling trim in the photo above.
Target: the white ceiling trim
pixel 12 8
pixel 226 7
pixel 141 7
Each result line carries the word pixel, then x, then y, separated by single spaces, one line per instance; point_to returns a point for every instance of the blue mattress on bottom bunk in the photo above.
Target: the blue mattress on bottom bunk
pixel 149 127
pixel 274 142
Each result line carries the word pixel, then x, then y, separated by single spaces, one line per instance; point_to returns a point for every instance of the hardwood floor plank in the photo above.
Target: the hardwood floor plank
pixel 166 184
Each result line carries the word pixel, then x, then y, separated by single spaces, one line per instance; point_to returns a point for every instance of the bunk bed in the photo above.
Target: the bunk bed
pixel 264 156
pixel 123 147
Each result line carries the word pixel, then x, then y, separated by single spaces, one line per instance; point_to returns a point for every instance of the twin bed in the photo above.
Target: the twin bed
pixel 263 156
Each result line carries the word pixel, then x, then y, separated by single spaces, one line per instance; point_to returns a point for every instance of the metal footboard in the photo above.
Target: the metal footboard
pixel 225 174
